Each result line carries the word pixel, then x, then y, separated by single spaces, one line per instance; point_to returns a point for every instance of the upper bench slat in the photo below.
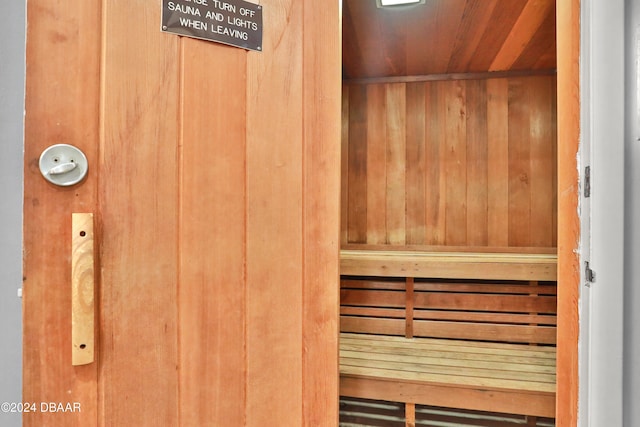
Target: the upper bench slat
pixel 449 265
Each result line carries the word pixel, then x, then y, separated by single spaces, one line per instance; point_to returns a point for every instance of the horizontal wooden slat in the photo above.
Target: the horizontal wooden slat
pixel 533 250
pixel 417 368
pixel 508 401
pixel 436 378
pixel 434 361
pixel 449 76
pixel 372 284
pixel 455 316
pixel 485 317
pixel 372 298
pixel 485 331
pixel 398 313
pixel 483 302
pixel 488 288
pixel 453 348
pixel 450 265
pixel 512 287
pixel 371 325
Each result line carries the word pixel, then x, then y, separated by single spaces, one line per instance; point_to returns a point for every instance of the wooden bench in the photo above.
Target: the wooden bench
pixel 468 329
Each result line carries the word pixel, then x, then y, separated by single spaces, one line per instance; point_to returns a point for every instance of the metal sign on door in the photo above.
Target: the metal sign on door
pixel 233 22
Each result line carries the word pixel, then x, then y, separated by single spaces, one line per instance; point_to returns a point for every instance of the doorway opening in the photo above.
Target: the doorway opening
pixel 449 159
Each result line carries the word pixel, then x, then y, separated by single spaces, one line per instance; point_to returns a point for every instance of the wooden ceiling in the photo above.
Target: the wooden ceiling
pixel 448 37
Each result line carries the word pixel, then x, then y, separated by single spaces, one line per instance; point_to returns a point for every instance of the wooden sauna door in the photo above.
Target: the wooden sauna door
pixel 214 184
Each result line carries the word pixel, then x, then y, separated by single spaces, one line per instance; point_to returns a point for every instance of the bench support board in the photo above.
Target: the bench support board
pixel 510 402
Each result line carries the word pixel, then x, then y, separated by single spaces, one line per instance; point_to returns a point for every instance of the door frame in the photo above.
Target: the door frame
pixel 602 214
pixel 590 51
pixel 568 81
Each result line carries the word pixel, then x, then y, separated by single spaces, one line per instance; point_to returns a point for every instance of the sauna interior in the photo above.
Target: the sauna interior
pixel 449 213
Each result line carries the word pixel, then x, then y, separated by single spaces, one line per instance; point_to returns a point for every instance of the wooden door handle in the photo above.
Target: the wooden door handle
pixel 82 290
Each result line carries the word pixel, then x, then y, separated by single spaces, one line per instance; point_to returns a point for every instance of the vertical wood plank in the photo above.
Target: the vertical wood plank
pixel 554 131
pixel 568 384
pixel 357 209
pixel 321 292
pixel 409 299
pixel 274 251
pixel 376 145
pixel 519 164
pixel 456 163
pixel 212 235
pixel 435 197
pixel 410 414
pixel 396 163
pixel 542 170
pixel 416 164
pixel 139 194
pixel 498 161
pixel 477 163
pixel 344 166
pixel 61 106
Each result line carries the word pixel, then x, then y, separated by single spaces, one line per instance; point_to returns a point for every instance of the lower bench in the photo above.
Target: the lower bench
pixel 510 378
pixel 471 331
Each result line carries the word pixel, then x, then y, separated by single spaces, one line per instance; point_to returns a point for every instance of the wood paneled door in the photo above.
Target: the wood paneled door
pixel 214 182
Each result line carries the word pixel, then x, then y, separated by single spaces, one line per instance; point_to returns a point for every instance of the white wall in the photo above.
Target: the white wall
pixel 603 102
pixel 12 28
pixel 632 213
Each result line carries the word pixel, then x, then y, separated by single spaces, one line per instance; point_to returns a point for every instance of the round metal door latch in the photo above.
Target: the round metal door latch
pixel 63 165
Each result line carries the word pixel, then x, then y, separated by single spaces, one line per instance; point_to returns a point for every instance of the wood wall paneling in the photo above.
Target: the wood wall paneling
pixel 376 152
pixel 519 165
pixel 344 165
pixel 435 200
pixel 497 162
pixel 453 102
pixel 542 161
pixel 416 165
pixel 478 167
pixel 477 164
pixel 395 142
pixel 357 155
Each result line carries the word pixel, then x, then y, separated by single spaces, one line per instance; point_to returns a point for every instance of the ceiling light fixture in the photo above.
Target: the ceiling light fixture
pixel 394 3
